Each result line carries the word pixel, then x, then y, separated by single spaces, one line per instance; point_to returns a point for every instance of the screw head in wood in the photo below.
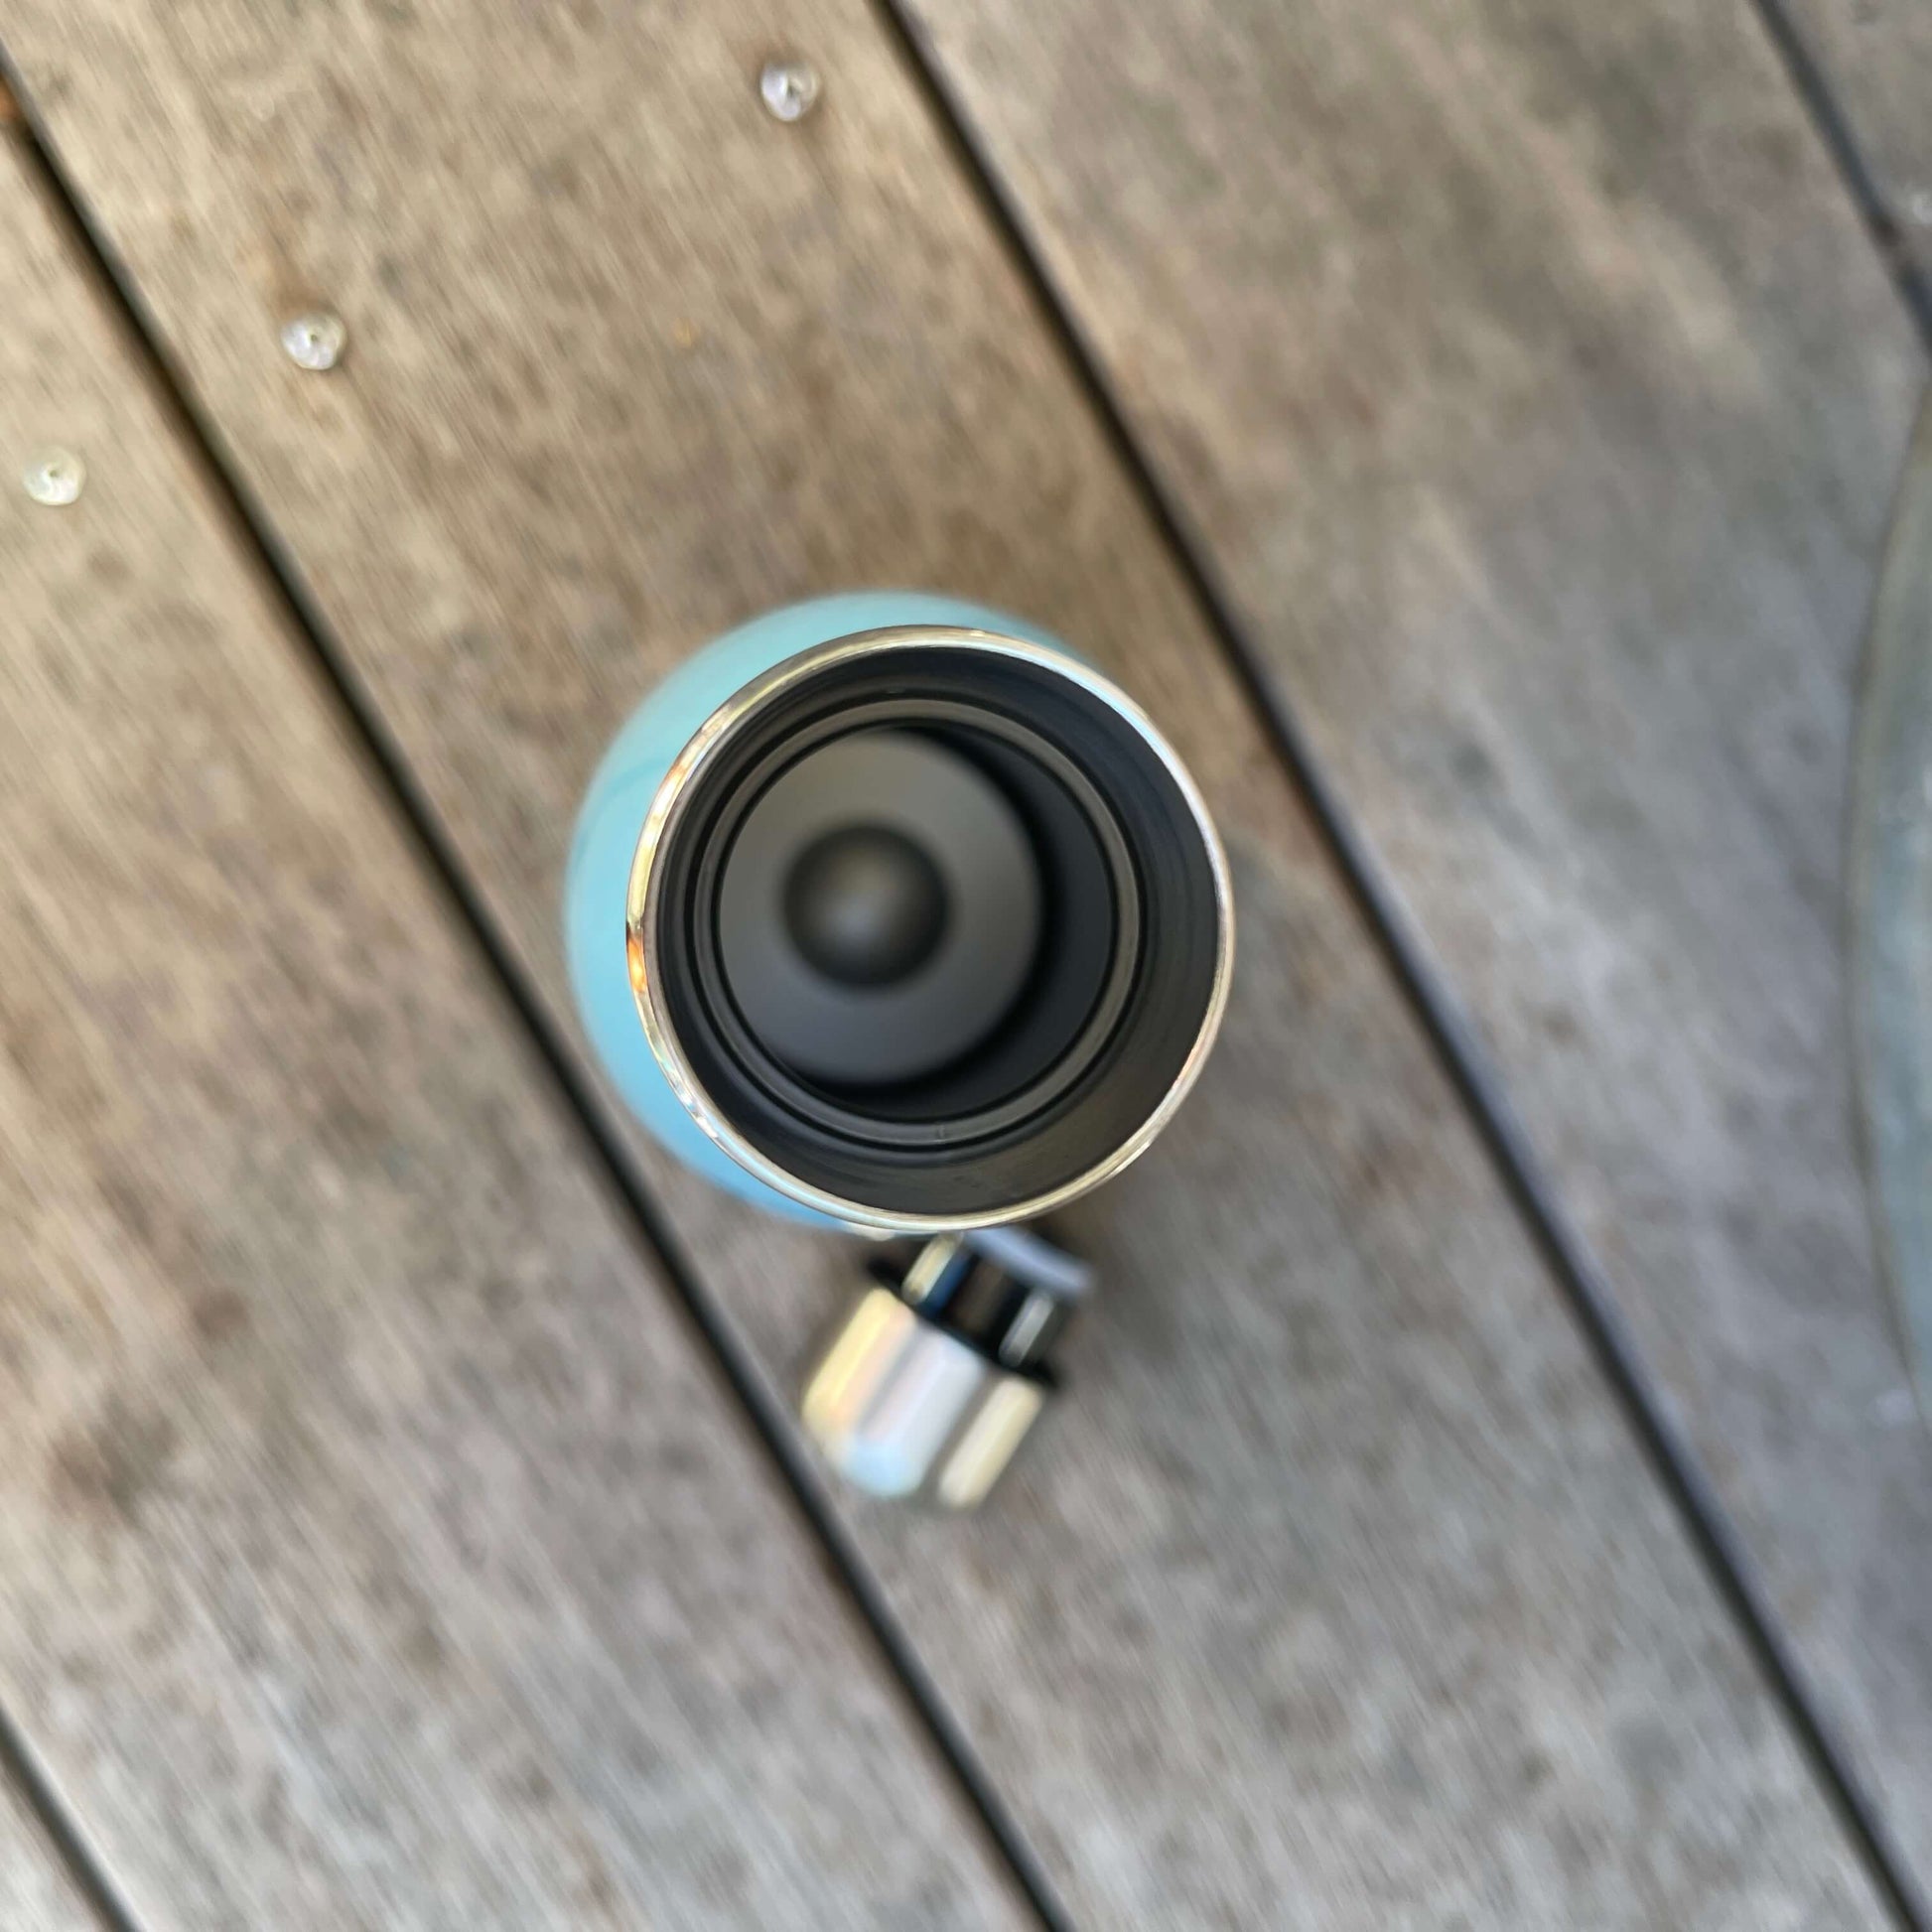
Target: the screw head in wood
pixel 788 88
pixel 54 478
pixel 314 341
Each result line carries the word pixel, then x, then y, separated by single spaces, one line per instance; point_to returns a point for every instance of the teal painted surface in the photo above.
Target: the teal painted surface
pixel 614 812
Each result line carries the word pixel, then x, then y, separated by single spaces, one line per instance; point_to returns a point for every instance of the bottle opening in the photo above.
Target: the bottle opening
pixel 936 925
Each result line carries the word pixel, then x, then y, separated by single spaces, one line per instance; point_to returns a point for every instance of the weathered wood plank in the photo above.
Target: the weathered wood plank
pixel 376 1547
pixel 1339 1595
pixel 1875 58
pixel 35 1892
pixel 1533 390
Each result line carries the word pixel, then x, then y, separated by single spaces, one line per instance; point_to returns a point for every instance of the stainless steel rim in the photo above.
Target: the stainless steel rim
pixel 646 881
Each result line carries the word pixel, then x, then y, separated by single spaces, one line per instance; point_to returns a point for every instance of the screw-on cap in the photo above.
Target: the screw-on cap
pixel 901 1408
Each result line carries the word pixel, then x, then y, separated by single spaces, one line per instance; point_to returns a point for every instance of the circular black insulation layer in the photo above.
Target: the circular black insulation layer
pixel 1121 981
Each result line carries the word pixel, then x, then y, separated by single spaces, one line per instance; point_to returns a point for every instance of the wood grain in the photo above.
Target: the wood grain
pixel 376 1547
pixel 1337 1593
pixel 35 1894
pixel 1530 384
pixel 1875 56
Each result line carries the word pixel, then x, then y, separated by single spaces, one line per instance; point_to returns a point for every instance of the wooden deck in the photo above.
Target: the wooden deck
pixel 1491 1493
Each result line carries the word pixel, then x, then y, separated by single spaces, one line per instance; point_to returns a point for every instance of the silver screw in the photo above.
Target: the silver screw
pixel 54 478
pixel 788 88
pixel 316 340
pixel 1918 205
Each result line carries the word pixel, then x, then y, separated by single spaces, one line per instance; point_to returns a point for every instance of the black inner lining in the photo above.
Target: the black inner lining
pixel 1106 1021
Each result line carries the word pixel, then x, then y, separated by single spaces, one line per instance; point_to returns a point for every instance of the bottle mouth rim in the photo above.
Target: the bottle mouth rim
pixel 658 990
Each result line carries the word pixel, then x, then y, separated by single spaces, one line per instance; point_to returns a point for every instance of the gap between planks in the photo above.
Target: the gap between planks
pixel 1833 126
pixel 391 774
pixel 21 1769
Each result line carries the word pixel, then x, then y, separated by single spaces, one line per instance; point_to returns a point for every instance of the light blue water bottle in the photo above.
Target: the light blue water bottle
pixel 888 911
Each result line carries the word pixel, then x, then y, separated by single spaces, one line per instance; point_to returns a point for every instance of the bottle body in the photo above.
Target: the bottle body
pixel 886 912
